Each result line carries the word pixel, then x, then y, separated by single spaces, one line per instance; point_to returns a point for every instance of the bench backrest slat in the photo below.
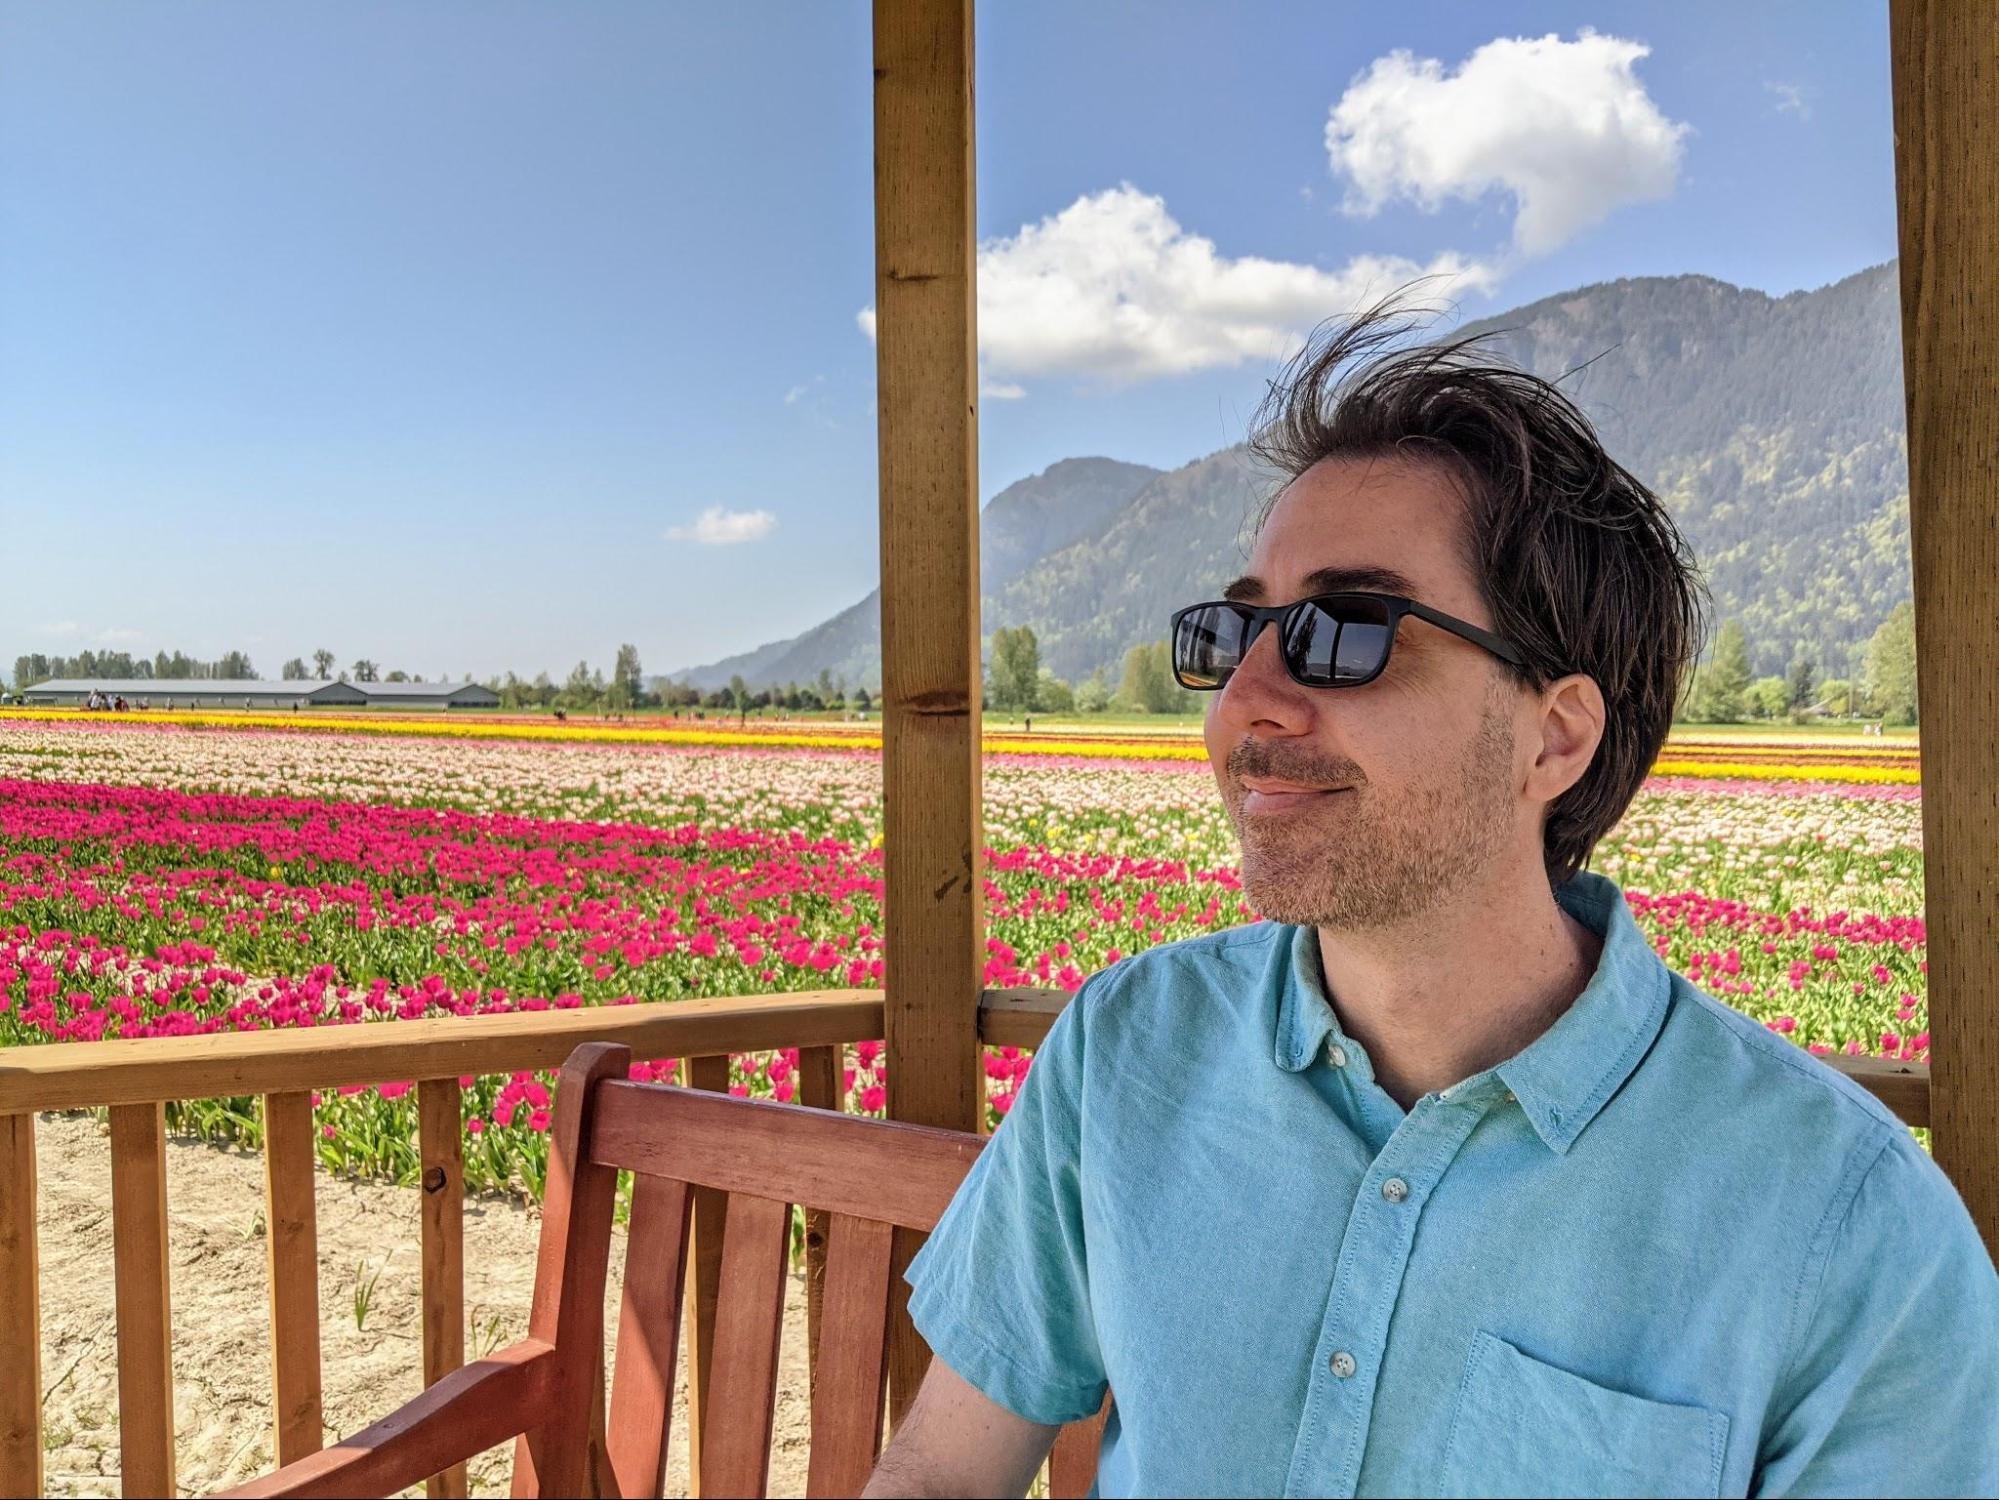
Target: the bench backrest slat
pixel 850 1387
pixel 749 1312
pixel 847 1164
pixel 649 1333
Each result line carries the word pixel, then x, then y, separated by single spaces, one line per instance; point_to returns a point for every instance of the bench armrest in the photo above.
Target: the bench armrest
pixel 467 1412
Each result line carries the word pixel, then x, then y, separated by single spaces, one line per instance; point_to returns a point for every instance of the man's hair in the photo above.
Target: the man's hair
pixel 1578 561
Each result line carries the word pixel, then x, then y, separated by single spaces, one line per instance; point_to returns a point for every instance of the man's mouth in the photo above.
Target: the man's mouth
pixel 1284 796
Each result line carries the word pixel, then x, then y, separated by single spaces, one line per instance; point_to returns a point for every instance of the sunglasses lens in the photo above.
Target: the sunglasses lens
pixel 1339 641
pixel 1207 645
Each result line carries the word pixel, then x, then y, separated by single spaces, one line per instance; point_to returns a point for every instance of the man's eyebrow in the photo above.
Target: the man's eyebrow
pixel 1249 589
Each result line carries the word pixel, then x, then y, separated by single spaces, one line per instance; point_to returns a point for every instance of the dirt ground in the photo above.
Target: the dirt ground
pixel 222 1379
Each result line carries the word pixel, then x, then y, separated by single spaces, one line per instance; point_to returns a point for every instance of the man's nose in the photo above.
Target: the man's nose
pixel 1260 682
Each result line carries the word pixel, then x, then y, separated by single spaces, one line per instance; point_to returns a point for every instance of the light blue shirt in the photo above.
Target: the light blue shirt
pixel 1659 1251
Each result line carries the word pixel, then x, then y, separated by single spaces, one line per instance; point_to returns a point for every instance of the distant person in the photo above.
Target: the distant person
pixel 1467 1192
pixel 1028 719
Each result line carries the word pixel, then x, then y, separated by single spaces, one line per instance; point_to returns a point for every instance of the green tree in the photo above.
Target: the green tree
pixel 1803 680
pixel 1719 693
pixel 1138 685
pixel 1054 695
pixel 628 677
pixel 1836 693
pixel 366 671
pixel 1016 669
pixel 1147 684
pixel 294 670
pixel 578 691
pixel 1768 697
pixel 1891 665
pixel 1093 694
pixel 322 664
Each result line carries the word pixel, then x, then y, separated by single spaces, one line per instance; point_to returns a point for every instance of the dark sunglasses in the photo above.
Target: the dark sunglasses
pixel 1331 640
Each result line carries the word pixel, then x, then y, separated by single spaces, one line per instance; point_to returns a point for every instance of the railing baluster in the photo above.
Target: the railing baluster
pixel 441 1140
pixel 819 1076
pixel 20 1312
pixel 291 1237
pixel 139 1262
pixel 704 1271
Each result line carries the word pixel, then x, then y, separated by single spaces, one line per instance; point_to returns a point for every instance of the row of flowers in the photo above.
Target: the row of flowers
pixel 1852 760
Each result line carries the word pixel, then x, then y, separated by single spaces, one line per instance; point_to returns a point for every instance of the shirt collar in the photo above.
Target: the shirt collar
pixel 1568 1073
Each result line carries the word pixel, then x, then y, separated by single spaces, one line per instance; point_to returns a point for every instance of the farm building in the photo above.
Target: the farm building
pixel 426 694
pixel 219 692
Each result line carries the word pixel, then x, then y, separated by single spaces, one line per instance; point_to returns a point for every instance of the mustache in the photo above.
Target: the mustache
pixel 1252 758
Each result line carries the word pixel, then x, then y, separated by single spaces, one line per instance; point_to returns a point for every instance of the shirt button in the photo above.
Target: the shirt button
pixel 1343 1364
pixel 1336 1054
pixel 1395 1190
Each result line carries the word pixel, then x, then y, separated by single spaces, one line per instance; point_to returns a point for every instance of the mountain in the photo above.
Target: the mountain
pixel 1772 427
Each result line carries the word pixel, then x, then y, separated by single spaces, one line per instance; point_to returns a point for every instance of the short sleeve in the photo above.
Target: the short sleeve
pixel 1001 1289
pixel 1894 1385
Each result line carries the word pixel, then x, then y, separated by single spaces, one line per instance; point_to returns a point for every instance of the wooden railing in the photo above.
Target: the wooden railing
pixel 134 1079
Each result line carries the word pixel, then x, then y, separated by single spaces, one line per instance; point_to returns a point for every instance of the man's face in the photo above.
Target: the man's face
pixel 1424 757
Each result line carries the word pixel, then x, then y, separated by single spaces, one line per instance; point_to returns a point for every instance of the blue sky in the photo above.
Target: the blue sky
pixel 475 336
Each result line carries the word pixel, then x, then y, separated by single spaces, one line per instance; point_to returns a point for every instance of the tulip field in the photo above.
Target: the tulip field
pixel 208 873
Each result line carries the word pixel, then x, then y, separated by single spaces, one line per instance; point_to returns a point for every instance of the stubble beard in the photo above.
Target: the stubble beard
pixel 1360 863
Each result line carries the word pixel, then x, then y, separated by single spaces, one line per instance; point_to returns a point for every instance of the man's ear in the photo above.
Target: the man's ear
pixel 1571 724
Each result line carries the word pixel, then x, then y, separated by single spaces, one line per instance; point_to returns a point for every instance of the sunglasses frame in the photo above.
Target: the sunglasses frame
pixel 1397 605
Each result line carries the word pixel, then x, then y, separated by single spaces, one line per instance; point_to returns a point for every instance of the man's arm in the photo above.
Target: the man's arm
pixel 954 1440
pixel 1903 1339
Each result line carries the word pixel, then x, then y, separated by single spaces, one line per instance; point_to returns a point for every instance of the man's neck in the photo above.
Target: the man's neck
pixel 1466 986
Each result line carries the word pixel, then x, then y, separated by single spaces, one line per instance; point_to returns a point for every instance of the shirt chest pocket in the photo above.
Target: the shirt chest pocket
pixel 1524 1427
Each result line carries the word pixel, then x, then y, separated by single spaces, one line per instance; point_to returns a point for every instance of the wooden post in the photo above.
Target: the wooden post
pixel 704 1280
pixel 440 1128
pixel 20 1312
pixel 1945 64
pixel 926 329
pixel 291 1243
pixel 139 1275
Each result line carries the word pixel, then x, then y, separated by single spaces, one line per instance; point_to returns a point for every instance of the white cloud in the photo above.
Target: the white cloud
pixel 1113 288
pixel 1790 99
pixel 1566 128
pixel 117 635
pixel 716 527
pixel 60 628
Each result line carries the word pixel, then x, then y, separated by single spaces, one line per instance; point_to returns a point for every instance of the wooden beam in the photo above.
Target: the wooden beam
pixel 1945 67
pixel 20 1312
pixel 291 1242
pixel 926 330
pixel 440 1131
pixel 139 1281
pixel 709 1212
pixel 83 1075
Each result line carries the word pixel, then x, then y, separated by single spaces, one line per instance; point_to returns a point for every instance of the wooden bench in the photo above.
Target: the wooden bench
pixel 547 1391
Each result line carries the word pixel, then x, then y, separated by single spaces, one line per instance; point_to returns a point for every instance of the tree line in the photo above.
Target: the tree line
pixel 1880 681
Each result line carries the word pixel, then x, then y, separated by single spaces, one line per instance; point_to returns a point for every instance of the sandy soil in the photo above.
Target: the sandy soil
pixel 222 1400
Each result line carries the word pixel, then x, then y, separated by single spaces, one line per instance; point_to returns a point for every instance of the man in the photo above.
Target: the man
pixel 1439 1181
